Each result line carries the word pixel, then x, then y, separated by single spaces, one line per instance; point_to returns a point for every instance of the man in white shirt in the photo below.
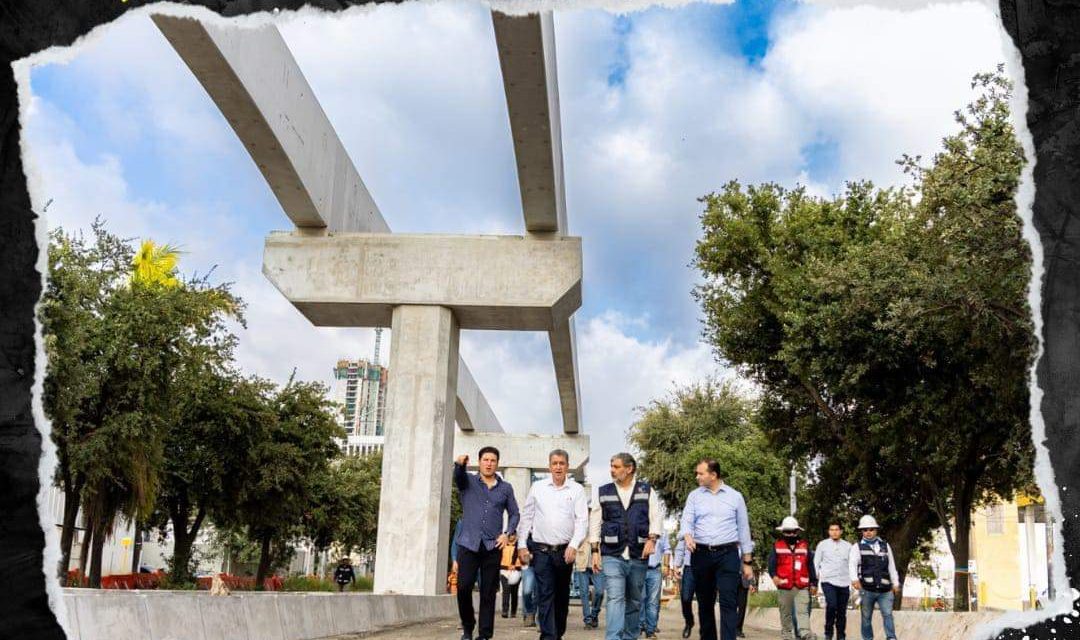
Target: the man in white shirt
pixel 872 569
pixel 832 558
pixel 554 523
pixel 623 528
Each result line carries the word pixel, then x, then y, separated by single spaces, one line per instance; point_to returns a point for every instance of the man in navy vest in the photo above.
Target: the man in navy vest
pixel 791 565
pixel 716 530
pixel 484 499
pixel 873 571
pixel 624 527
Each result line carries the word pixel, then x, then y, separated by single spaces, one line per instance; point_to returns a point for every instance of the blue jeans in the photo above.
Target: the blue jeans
pixel 590 607
pixel 884 602
pixel 624 581
pixel 650 601
pixel 528 591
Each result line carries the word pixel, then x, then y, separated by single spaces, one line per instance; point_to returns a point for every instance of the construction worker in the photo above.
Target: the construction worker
pixel 872 570
pixel 791 565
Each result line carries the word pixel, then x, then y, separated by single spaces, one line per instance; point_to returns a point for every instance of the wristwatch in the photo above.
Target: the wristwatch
pixel 748 563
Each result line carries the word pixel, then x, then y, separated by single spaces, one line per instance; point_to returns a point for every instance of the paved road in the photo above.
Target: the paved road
pixel 510 629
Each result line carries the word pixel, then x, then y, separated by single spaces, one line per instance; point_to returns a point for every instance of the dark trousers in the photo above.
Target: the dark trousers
pixel 484 563
pixel 740 603
pixel 510 597
pixel 716 577
pixel 836 601
pixel 552 592
pixel 686 595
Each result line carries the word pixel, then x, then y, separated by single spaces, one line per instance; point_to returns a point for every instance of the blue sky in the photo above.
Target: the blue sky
pixel 658 108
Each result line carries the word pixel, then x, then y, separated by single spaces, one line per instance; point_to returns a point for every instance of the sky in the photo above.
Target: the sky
pixel 658 108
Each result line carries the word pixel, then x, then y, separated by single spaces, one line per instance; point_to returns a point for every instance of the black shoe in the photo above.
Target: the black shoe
pixel 740 634
pixel 466 636
pixel 505 614
pixel 595 624
pixel 686 630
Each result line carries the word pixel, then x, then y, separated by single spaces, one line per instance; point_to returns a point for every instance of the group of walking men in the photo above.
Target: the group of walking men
pixel 623 536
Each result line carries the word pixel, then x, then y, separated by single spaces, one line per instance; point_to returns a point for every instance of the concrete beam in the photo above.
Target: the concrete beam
pixel 254 80
pixel 526 47
pixel 490 282
pixel 564 356
pixel 252 77
pixel 524 451
pixel 473 411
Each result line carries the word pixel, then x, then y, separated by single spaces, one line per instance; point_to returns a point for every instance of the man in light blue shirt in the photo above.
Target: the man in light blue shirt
pixel 650 595
pixel 715 528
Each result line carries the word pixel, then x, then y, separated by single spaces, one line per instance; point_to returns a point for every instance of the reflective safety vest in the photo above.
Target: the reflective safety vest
pixel 627 527
pixel 792 567
pixel 874 566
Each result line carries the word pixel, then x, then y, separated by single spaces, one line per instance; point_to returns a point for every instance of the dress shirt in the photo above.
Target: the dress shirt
pixel 482 509
pixel 855 560
pixel 831 558
pixel 681 558
pixel 554 515
pixel 662 547
pixel 596 518
pixel 717 518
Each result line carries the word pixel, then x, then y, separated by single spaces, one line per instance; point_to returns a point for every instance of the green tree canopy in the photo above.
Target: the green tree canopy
pixel 888 329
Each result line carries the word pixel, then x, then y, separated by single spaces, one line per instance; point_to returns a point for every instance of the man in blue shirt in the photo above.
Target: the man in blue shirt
pixel 716 530
pixel 650 595
pixel 484 499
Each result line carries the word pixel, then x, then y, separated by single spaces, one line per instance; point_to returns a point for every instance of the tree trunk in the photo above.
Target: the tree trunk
pixel 136 548
pixel 97 547
pixel 264 562
pixel 67 533
pixel 183 541
pixel 961 552
pixel 84 549
pixel 903 540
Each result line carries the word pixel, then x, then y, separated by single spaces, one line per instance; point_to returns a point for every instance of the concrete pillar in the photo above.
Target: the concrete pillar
pixel 521 480
pixel 414 508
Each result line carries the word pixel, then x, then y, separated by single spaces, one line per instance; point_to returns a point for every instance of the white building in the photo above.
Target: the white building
pixel 360 390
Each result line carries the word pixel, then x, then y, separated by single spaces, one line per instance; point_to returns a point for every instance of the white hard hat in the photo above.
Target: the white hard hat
pixel 512 576
pixel 789 524
pixel 867 522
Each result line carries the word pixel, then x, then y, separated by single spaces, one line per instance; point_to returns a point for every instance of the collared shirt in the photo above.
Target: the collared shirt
pixel 681 558
pixel 717 518
pixel 662 547
pixel 831 561
pixel 482 509
pixel 554 515
pixel 855 560
pixel 596 518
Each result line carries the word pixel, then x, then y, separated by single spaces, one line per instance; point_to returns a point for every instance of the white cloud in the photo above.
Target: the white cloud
pixel 416 95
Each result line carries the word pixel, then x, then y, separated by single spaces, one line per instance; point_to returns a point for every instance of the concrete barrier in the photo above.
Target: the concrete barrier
pixel 195 615
pixel 909 624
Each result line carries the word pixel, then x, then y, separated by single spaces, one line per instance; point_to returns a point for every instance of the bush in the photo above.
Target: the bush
pixel 363 583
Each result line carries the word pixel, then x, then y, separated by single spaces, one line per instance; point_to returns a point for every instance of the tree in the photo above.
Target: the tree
pixel 288 463
pixel 219 421
pixel 82 275
pixel 710 420
pixel 888 330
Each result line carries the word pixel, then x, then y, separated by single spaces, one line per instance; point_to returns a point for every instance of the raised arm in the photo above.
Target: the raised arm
pixel 461 475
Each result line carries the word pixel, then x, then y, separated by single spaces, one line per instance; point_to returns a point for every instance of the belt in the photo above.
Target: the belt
pixel 550 548
pixel 716 547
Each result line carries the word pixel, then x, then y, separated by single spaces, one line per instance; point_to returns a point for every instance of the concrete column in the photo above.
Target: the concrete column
pixel 414 508
pixel 521 480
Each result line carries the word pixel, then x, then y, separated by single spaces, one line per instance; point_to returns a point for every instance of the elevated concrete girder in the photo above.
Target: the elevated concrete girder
pixel 252 77
pixel 526 46
pixel 472 409
pixel 490 282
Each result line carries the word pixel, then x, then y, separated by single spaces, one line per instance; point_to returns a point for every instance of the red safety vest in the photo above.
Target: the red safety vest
pixel 791 566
